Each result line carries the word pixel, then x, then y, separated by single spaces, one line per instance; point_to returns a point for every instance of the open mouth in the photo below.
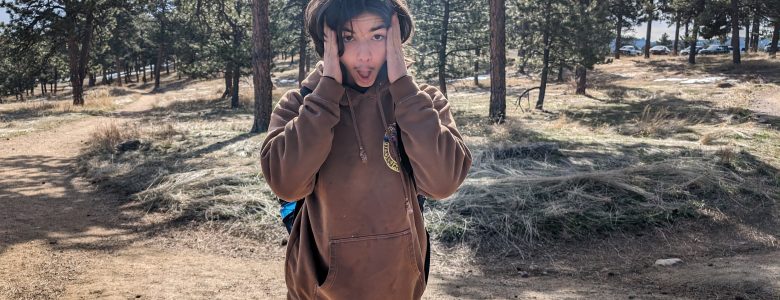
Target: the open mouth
pixel 364 76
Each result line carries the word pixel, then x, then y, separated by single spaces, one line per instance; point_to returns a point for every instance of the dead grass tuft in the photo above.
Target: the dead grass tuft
pixel 107 136
pixel 510 203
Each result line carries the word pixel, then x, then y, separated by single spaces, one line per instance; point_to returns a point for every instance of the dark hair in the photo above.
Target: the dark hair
pixel 338 12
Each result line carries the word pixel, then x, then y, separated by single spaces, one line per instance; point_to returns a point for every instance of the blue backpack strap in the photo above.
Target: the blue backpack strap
pixel 289 210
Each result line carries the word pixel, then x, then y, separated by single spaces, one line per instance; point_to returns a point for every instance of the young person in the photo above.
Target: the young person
pixel 358 149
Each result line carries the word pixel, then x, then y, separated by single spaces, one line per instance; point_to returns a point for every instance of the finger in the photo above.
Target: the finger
pixel 396 30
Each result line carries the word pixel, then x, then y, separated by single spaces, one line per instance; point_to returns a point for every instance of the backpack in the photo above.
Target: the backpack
pixel 289 210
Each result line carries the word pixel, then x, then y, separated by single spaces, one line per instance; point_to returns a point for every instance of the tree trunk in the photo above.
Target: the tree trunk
pixel 497 61
pixel 128 71
pixel 442 63
pixel 693 43
pixel 302 41
pixel 167 67
pixel 676 36
pixel 143 70
pixel 775 38
pixel 160 50
pixel 747 34
pixel 476 67
pixel 755 37
pixel 79 57
pixel 234 100
pixel 650 13
pixel 685 40
pixel 137 67
pixel 619 38
pixel 118 67
pixel 735 55
pixel 261 65
pixel 56 78
pixel 522 51
pixel 560 72
pixel 581 78
pixel 228 81
pixel 545 59
pixel 92 79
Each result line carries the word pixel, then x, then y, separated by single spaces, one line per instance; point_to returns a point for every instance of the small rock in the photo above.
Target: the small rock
pixel 724 85
pixel 130 145
pixel 710 265
pixel 611 274
pixel 284 242
pixel 523 274
pixel 668 262
pixel 137 296
pixel 52 242
pixel 43 182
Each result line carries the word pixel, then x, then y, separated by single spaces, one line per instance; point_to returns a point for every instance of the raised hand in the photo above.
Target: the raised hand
pixel 330 59
pixel 396 65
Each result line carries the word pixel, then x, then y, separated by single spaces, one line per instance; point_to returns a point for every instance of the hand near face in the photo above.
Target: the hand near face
pixel 330 59
pixel 396 65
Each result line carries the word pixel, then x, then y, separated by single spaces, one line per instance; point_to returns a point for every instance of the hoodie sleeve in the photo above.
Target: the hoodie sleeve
pixel 299 139
pixel 435 148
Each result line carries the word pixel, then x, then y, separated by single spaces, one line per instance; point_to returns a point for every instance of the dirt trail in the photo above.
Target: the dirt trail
pixel 61 238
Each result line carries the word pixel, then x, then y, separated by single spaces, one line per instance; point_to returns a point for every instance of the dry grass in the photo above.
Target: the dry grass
pixel 102 99
pixel 511 203
pixel 39 114
pixel 107 136
pixel 609 175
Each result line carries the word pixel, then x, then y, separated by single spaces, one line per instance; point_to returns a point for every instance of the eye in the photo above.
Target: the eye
pixel 348 38
pixel 379 37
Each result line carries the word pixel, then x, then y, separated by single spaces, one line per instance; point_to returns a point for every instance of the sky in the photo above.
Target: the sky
pixel 660 27
pixel 3 16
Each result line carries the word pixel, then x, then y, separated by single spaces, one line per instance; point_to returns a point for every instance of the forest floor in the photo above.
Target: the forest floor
pixel 79 225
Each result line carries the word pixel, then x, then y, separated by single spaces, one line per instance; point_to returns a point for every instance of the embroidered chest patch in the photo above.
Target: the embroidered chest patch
pixel 389 141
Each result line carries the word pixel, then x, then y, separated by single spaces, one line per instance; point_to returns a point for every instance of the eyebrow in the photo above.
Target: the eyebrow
pixel 375 28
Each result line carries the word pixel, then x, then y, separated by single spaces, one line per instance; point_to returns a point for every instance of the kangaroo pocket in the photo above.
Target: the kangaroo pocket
pixel 372 267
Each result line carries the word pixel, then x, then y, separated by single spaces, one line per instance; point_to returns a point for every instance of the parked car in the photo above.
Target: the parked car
pixel 768 47
pixel 687 51
pixel 630 50
pixel 660 50
pixel 714 49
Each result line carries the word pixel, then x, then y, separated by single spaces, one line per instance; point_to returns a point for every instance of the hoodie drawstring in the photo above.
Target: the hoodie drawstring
pixel 362 152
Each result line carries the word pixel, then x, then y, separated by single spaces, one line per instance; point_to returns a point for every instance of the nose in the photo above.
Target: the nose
pixel 363 52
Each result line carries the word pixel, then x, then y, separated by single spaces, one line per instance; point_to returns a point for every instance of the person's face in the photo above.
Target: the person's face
pixel 364 49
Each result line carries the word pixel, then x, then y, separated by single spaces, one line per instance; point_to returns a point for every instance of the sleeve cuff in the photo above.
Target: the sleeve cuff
pixel 403 88
pixel 329 89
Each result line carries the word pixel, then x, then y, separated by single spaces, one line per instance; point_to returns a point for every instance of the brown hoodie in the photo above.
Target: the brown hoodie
pixel 360 233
